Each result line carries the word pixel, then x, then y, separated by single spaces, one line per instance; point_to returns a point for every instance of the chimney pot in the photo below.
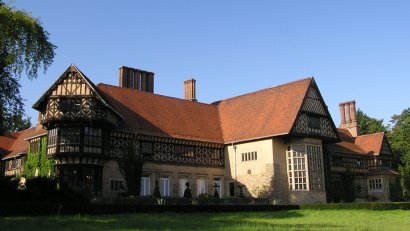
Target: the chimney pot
pixel 136 79
pixel 349 118
pixel 190 90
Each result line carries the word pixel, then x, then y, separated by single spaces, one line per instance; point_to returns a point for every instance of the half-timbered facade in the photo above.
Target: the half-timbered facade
pixel 272 143
pixel 368 157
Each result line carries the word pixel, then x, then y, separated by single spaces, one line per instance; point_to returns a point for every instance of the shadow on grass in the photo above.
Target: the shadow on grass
pixel 163 221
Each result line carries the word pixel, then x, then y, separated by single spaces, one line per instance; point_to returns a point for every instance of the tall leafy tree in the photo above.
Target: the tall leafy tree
pixel 369 125
pixel 24 46
pixel 400 142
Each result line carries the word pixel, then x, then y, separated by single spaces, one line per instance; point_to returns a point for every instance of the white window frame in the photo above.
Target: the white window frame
pixel 145 186
pixel 200 186
pixel 182 187
pixel 218 182
pixel 376 185
pixel 297 163
pixel 164 186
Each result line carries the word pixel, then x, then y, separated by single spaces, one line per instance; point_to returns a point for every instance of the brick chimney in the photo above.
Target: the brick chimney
pixel 348 117
pixel 136 79
pixel 190 90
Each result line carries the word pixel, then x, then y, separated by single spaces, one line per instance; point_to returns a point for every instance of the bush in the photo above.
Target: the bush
pixel 354 206
pixel 8 189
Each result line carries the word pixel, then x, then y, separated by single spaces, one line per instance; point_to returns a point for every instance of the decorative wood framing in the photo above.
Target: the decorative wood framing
pixel 314 118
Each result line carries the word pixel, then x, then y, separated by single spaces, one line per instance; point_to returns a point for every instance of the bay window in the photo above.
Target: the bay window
pixel 305 167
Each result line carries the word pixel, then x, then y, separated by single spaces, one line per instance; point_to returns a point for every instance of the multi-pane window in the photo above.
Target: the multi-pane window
pixel 375 185
pixel 92 140
pixel 247 156
pixel 145 186
pixel 201 186
pixel 182 186
pixel 305 167
pixel 117 186
pixel 218 186
pixel 314 124
pixel 297 169
pixel 70 139
pixel 147 148
pixel 52 141
pixel 315 167
pixel 164 186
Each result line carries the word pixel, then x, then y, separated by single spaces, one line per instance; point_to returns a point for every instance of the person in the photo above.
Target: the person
pixel 187 192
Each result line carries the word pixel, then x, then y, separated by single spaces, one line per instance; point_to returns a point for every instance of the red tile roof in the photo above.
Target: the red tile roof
pixel 265 113
pixel 371 143
pixel 154 114
pixel 14 143
pixel 361 145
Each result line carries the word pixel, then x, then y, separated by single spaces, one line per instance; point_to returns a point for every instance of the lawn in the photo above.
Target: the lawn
pixel 279 220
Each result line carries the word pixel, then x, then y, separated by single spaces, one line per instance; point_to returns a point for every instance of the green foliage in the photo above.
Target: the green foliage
pixel 355 206
pixel 24 45
pixel 343 188
pixel 396 193
pixel 131 168
pixel 37 163
pixel 369 125
pixel 399 138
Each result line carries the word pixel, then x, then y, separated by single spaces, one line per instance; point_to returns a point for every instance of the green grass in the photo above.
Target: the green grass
pixel 280 220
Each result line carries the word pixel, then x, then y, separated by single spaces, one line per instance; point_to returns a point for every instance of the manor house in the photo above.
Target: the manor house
pixel 279 143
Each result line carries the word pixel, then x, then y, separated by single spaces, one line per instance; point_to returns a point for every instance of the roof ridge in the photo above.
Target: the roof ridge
pixel 265 89
pixel 373 134
pixel 154 94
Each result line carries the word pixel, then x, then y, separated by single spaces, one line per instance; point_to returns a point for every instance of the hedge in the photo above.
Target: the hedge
pixel 368 205
pixel 33 209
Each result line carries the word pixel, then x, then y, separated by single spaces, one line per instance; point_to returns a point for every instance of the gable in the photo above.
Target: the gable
pixel 314 119
pixel 73 96
pixel 386 149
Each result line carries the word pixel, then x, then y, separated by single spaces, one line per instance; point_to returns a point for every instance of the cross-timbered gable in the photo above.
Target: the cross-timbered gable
pixel 74 97
pixel 313 118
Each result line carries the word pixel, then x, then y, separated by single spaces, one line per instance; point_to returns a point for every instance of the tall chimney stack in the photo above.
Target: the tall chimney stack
pixel 348 117
pixel 190 90
pixel 136 79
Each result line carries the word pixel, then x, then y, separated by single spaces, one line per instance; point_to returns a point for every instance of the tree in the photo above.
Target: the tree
pixel 400 142
pixel 369 125
pixel 24 46
pixel 131 168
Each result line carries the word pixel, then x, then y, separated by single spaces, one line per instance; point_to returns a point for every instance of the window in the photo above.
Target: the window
pixel 314 122
pixel 52 141
pixel 231 189
pixel 146 148
pixel 201 186
pixel 182 186
pixel 70 105
pixel 248 156
pixel 218 186
pixel 305 167
pixel 117 186
pixel 145 186
pixel 70 139
pixel 375 185
pixel 92 140
pixel 164 186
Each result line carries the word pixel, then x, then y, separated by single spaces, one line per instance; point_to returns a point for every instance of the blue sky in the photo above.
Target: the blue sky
pixel 356 50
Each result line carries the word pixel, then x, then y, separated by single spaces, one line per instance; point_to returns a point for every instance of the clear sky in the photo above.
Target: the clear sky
pixel 356 50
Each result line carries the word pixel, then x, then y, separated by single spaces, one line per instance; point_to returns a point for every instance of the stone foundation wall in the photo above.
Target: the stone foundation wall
pixel 306 197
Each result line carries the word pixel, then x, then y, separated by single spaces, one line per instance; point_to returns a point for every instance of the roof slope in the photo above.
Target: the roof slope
pixel 269 112
pixel 360 145
pixel 164 116
pixel 371 143
pixel 14 143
